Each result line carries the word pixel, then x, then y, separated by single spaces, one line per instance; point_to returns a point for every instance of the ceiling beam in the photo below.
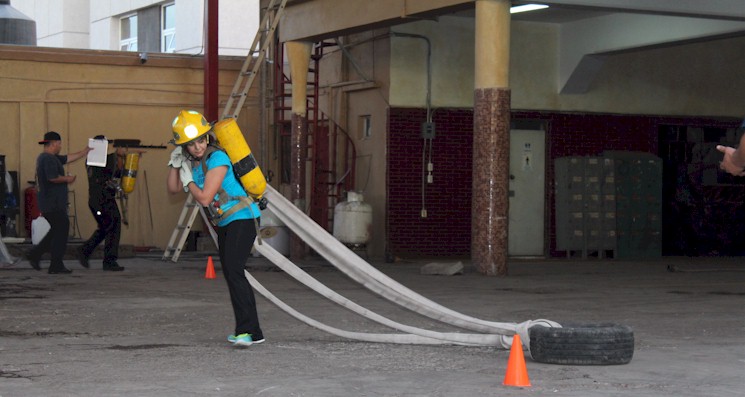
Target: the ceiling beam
pixel 724 9
pixel 323 19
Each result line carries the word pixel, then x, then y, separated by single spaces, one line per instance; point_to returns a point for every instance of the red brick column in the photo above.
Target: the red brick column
pixel 298 154
pixel 298 53
pixel 491 168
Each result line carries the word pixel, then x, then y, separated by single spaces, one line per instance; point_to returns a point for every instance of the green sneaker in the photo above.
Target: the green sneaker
pixel 232 338
pixel 243 340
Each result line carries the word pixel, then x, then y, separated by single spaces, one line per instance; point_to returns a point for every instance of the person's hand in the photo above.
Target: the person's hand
pixel 728 165
pixel 71 178
pixel 186 176
pixel 177 158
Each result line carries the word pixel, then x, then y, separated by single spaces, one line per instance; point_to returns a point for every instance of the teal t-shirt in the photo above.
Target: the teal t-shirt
pixel 230 184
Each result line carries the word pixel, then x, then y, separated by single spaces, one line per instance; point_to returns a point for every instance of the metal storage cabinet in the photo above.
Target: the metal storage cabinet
pixel 569 205
pixel 585 205
pixel 638 204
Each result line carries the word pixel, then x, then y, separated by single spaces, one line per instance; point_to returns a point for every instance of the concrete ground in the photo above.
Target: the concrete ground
pixel 159 328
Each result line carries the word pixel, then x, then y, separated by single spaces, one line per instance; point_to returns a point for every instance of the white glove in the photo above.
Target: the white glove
pixel 186 176
pixel 177 158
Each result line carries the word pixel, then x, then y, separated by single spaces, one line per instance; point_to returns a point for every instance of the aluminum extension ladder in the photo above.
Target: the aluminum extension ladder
pixel 243 83
pixel 255 57
pixel 181 232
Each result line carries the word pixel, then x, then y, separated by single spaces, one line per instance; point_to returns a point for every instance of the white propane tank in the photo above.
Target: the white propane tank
pixel 353 220
pixel 274 232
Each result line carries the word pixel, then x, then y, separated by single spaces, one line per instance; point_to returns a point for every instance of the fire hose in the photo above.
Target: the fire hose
pixel 492 333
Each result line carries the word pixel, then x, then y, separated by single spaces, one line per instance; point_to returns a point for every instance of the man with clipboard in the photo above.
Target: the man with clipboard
pixel 104 173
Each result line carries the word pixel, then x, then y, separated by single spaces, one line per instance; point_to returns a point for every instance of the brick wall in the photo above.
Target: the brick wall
pixel 446 231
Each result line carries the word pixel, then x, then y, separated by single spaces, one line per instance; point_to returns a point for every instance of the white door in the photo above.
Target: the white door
pixel 527 192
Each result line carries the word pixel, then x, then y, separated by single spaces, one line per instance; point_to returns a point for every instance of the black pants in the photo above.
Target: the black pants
pixel 55 242
pixel 109 228
pixel 236 240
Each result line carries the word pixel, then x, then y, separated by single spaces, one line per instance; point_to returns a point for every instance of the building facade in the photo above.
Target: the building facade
pixel 171 26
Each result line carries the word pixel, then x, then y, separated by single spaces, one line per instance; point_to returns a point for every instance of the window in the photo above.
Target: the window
pixel 128 33
pixel 168 28
pixel 365 127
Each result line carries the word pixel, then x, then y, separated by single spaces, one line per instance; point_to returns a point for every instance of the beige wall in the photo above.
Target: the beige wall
pixel 694 79
pixel 81 94
pixel 452 41
pixel 690 80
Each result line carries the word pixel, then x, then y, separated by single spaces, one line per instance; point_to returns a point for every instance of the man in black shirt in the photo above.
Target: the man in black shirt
pixel 52 197
pixel 103 185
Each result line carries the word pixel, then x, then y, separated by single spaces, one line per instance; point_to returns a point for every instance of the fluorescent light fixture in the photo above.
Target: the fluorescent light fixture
pixel 527 7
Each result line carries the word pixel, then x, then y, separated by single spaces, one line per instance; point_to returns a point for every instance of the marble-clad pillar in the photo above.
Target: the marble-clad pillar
pixel 491 166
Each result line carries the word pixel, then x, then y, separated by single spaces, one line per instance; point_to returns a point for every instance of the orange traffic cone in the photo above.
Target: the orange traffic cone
pixel 210 273
pixel 517 373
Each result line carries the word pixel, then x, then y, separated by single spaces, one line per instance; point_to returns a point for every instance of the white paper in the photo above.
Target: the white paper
pixel 97 156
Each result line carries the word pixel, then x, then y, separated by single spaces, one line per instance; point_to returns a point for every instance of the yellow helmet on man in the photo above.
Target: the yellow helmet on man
pixel 188 126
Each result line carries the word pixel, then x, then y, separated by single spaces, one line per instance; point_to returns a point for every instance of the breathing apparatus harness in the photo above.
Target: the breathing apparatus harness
pixel 215 213
pixel 214 209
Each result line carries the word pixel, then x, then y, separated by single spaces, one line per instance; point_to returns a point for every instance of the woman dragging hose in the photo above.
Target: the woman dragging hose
pixel 202 168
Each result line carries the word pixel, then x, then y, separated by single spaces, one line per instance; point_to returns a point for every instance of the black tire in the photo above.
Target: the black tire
pixel 582 344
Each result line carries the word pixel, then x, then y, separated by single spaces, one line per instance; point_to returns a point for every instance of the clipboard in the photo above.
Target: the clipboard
pixel 97 156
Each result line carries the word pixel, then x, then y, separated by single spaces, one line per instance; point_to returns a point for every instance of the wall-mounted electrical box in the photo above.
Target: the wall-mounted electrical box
pixel 428 130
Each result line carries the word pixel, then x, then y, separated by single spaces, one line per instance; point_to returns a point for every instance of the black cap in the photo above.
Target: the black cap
pixel 50 136
pixel 99 137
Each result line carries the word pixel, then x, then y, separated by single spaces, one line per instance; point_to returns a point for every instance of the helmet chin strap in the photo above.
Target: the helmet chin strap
pixel 189 155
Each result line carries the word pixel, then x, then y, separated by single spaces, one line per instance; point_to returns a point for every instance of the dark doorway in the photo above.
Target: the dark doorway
pixel 703 212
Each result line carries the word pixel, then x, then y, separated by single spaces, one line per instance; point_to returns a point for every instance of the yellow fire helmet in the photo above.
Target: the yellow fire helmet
pixel 189 125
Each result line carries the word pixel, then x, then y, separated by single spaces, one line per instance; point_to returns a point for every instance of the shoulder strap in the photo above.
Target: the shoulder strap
pixel 221 193
pixel 207 153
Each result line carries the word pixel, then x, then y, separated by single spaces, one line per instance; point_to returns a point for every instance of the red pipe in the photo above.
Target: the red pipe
pixel 210 61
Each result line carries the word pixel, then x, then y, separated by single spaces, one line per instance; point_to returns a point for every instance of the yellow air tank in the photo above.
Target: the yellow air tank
pixel 246 169
pixel 130 172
